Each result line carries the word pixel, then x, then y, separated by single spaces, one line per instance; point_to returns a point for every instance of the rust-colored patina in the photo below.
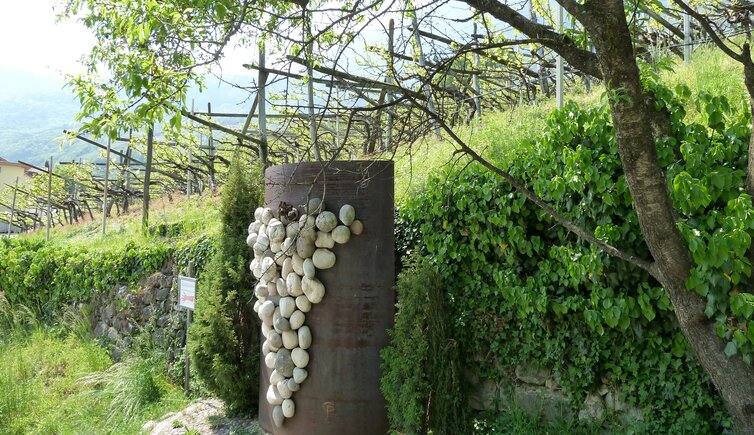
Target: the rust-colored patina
pixel 342 394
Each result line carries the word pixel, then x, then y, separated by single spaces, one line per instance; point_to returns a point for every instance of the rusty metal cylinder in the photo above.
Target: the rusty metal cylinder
pixel 341 394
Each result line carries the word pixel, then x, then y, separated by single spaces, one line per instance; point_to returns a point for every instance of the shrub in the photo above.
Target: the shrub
pixel 224 339
pixel 421 371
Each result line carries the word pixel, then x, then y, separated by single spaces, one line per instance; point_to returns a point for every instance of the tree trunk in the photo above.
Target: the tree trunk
pixel 631 115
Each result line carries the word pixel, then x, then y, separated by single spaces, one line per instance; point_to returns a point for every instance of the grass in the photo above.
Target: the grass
pixel 53 379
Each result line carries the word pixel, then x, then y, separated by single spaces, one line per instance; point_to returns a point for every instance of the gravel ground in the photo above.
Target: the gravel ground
pixel 203 417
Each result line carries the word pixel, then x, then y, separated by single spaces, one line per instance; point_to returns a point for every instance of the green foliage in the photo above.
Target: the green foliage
pixel 225 337
pixel 525 290
pixel 421 378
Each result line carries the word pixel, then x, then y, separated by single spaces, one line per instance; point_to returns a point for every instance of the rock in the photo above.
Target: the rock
pixel 297 319
pixel 291 230
pixel 314 206
pixel 287 268
pixel 112 333
pixel 266 216
pixel 551 406
pixel 283 390
pixel 269 360
pixel 107 313
pixel 532 374
pixel 287 306
pixel 603 390
pixel 309 269
pixel 266 330
pixel 300 357
pixel 100 329
pixel 284 363
pixel 631 415
pixel 483 395
pixel 256 225
pixel 275 340
pixel 290 339
pixel 289 246
pixel 258 213
pixel 266 347
pixel 304 337
pixel 269 271
pixel 282 287
pixel 276 377
pixel 356 227
pixel 307 229
pixel 148 426
pixel 289 408
pixel 293 284
pixel 276 247
pixel 313 289
pixel 277 415
pixel 552 384
pixel 303 304
pixel 347 214
pixel 304 247
pixel 341 234
pixel 256 268
pixel 292 384
pixel 280 257
pixel 299 375
pixel 273 397
pixel 260 291
pixel 263 240
pixel 282 325
pixel 298 264
pixel 266 310
pixel 614 403
pixel 162 294
pixel 326 221
pixel 323 259
pixel 324 240
pixel 251 239
pixel 276 231
pixel 593 408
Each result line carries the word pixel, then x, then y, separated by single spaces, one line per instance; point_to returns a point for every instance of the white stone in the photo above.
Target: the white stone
pixel 251 239
pixel 313 289
pixel 287 267
pixel 265 347
pixel 255 226
pixel 266 330
pixel 356 227
pixel 283 390
pixel 323 259
pixel 275 340
pixel 293 284
pixel 300 357
pixel 304 247
pixel 276 231
pixel 347 214
pixel 287 306
pixel 276 377
pixel 309 269
pixel 298 264
pixel 263 240
pixel 302 220
pixel 289 408
pixel 257 304
pixel 260 291
pixel 289 246
pixel 314 206
pixel 282 287
pixel 324 240
pixel 303 303
pixel 258 249
pixel 269 360
pixel 258 213
pixel 299 375
pixel 276 313
pixel 282 325
pixel 304 337
pixel 326 221
pixel 266 310
pixel 290 339
pixel 280 257
pixel 308 231
pixel 297 319
pixel 277 415
pixel 272 287
pixel 341 234
pixel 293 385
pixel 273 397
pixel 269 271
pixel 291 230
pixel 267 216
pixel 276 247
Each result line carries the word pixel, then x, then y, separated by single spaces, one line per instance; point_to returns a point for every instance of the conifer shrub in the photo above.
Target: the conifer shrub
pixel 224 338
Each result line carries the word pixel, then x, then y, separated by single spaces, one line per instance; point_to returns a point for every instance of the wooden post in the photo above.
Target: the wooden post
pixel 559 65
pixel 104 195
pixel 211 145
pixel 422 64
pixel 189 318
pixel 262 105
pixel 686 38
pixel 475 77
pixel 13 207
pixel 127 175
pixel 147 175
pixel 390 80
pixel 310 84
pixel 49 197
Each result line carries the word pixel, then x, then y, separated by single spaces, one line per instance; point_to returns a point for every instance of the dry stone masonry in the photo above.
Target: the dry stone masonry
pixel 287 254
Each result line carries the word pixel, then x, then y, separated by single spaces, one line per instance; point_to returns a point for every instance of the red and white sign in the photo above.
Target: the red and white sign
pixel 188 292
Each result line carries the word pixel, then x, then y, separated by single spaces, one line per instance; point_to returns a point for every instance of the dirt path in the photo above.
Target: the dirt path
pixel 206 416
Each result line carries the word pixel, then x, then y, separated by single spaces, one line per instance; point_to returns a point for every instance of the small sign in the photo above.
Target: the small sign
pixel 188 292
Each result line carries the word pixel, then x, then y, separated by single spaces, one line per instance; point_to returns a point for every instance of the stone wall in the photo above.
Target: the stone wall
pixel 534 390
pixel 147 307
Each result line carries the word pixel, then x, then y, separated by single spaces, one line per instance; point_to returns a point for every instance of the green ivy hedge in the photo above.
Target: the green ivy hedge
pixel 522 289
pixel 47 277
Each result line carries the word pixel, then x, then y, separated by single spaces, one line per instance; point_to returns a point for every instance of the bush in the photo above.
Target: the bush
pixel 421 370
pixel 224 339
pixel 526 291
